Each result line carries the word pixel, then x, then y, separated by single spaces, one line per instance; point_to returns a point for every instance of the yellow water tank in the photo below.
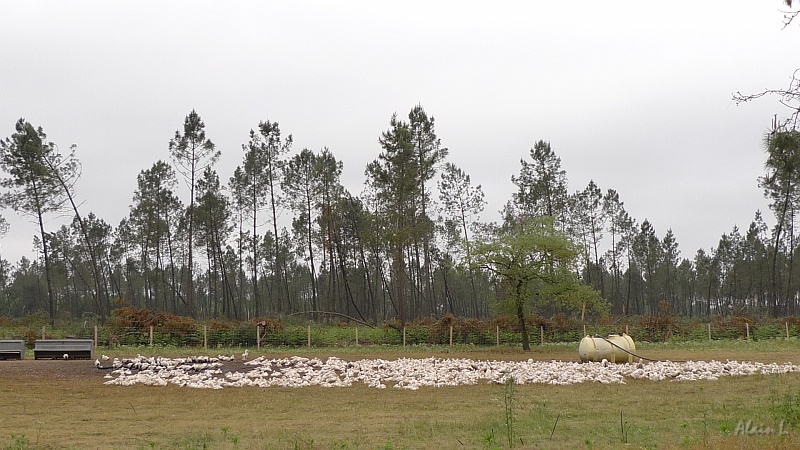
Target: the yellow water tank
pixel 614 348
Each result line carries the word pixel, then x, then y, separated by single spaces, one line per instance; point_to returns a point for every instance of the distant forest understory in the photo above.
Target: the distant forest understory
pixel 281 235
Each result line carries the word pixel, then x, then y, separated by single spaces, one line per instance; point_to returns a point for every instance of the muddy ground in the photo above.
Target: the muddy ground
pixel 64 370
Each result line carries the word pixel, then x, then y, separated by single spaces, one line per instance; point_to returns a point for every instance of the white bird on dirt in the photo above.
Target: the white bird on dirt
pixel 65 356
pixel 245 355
pixel 105 358
pixel 408 373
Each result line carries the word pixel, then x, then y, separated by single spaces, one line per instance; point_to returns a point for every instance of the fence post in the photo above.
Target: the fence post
pixel 151 335
pixel 43 327
pixel 584 329
pixel 541 332
pixel 451 336
pixel 356 334
pixel 787 330
pixel 95 335
pixel 404 337
pixel 309 336
pixel 258 336
pixel 626 329
pixel 747 330
pixel 709 331
pixel 205 337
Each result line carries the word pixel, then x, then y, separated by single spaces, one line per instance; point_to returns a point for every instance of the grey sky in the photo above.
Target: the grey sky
pixel 635 95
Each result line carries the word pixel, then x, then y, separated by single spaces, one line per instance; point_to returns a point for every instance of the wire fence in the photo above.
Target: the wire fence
pixel 448 331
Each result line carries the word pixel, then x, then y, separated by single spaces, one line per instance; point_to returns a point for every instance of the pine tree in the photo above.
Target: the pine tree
pixel 192 153
pixel 31 186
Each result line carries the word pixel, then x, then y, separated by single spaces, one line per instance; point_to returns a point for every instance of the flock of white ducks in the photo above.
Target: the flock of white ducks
pixel 406 373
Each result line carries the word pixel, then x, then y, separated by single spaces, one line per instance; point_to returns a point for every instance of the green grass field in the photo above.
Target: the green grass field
pixel 54 404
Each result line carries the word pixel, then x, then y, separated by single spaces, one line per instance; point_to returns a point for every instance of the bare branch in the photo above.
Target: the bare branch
pixel 789 16
pixel 789 97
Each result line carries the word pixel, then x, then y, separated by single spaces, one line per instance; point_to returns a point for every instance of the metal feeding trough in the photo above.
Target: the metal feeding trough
pixel 614 348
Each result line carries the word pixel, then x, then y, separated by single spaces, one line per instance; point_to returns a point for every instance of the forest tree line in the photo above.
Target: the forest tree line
pixel 407 247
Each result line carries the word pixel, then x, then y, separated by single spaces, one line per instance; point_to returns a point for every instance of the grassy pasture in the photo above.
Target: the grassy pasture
pixel 64 404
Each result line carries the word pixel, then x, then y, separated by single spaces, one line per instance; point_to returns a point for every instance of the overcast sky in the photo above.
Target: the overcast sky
pixel 635 95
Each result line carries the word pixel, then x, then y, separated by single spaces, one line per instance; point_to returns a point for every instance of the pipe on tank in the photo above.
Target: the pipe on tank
pixel 614 348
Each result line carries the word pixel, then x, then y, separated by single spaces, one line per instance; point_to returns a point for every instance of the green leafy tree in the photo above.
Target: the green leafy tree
pixel 462 203
pixel 588 221
pixel 241 207
pixel 301 184
pixel 333 205
pixel 781 186
pixel 619 225
pixel 5 305
pixel 351 236
pixel 756 259
pixel 192 153
pixel 214 228
pixel 67 170
pixel 249 188
pixel 31 186
pixel 73 271
pixel 429 154
pixel 707 281
pixel 670 260
pixel 541 186
pixel 537 263
pixel 393 178
pixel 153 217
pixel 647 253
pixel 259 177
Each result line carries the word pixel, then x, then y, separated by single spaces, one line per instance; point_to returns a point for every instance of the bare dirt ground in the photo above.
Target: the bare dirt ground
pixel 46 369
pixel 61 370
